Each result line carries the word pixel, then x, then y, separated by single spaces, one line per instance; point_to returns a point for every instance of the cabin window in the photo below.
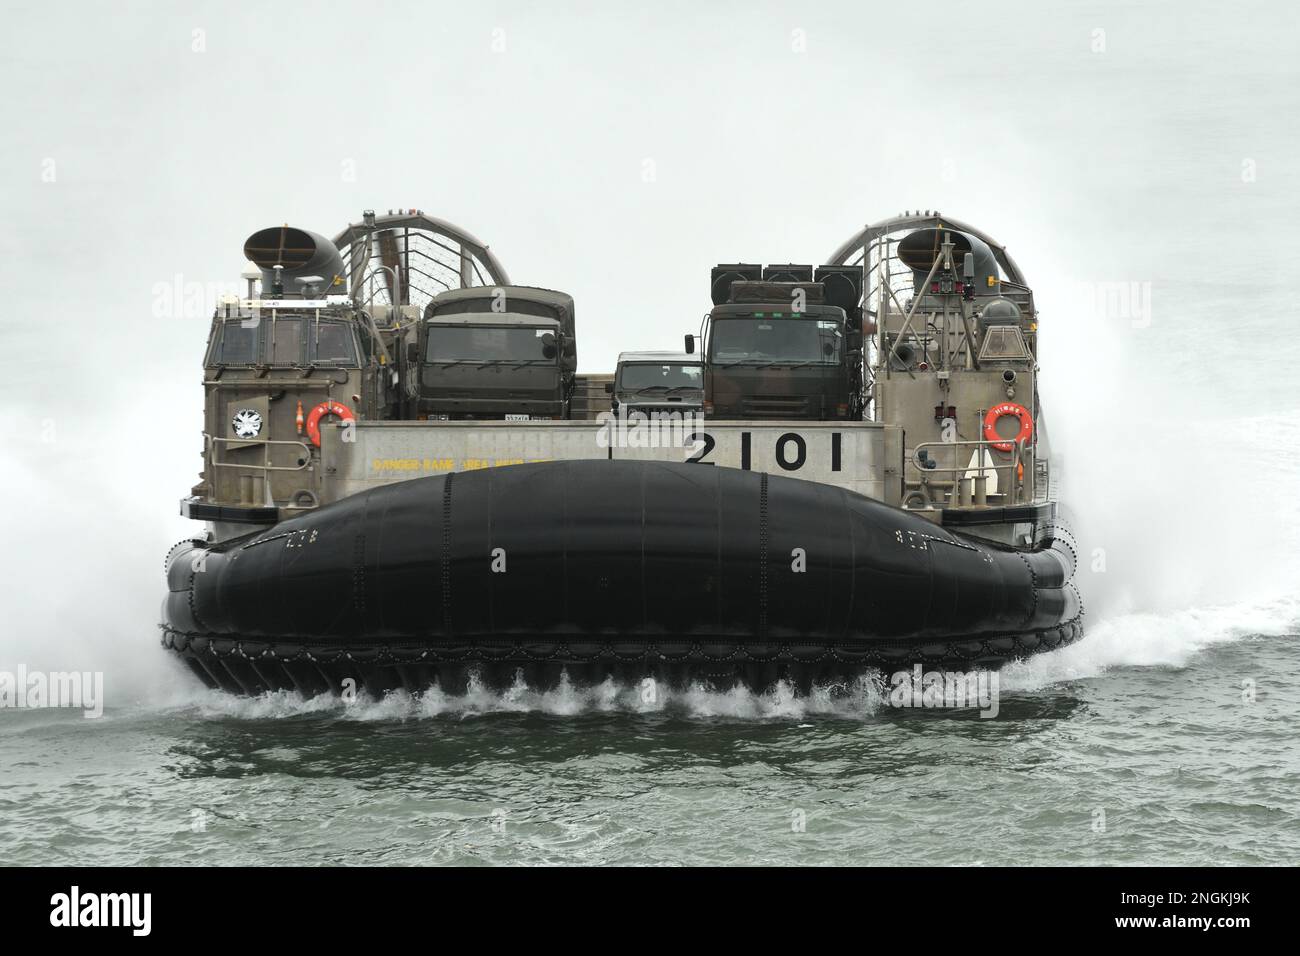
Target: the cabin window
pixel 235 343
pixel 284 342
pixel 334 345
pixel 1003 343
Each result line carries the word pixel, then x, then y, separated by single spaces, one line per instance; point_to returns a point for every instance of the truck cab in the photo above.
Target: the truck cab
pixel 504 352
pixel 658 382
pixel 778 346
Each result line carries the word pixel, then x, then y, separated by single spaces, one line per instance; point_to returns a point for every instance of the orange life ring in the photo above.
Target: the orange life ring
pixel 997 412
pixel 329 407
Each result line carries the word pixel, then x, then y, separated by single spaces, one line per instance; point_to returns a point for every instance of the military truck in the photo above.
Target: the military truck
pixel 658 382
pixel 783 342
pixel 500 352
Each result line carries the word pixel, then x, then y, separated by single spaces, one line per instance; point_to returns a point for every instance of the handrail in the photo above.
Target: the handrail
pixel 1019 488
pixel 211 441
pixel 254 441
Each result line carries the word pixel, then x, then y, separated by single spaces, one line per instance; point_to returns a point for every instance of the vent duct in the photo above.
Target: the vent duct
pixel 298 253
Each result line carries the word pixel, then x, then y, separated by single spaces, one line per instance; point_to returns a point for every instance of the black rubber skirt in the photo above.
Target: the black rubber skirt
pixel 600 568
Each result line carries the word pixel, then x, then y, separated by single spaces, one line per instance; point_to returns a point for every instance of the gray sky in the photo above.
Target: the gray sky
pixel 598 147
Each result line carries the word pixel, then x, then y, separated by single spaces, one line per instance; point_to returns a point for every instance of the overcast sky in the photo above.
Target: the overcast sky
pixel 616 150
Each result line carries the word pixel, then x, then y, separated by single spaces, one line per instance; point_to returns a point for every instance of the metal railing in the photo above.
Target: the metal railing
pixel 443 264
pixel 213 443
pixel 967 490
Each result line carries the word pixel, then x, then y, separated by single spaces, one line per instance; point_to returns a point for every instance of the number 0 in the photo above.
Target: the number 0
pixel 800 446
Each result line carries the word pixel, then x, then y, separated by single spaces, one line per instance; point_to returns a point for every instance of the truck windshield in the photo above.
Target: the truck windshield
pixel 490 344
pixel 636 377
pixel 775 340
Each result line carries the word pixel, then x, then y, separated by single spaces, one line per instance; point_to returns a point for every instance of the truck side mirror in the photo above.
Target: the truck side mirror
pixel 412 353
pixel 690 345
pixel 570 348
pixel 609 388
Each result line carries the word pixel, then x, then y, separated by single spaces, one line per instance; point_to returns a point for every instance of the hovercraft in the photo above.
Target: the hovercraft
pixel 874 489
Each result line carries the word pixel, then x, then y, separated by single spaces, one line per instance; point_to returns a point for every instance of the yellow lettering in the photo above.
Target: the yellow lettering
pixel 395 464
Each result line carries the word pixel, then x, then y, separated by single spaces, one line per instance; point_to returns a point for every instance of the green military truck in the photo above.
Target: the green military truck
pixel 495 352
pixel 783 342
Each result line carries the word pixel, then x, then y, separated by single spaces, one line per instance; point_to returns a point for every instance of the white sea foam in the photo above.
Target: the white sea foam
pixel 1143 639
pixel 853 698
